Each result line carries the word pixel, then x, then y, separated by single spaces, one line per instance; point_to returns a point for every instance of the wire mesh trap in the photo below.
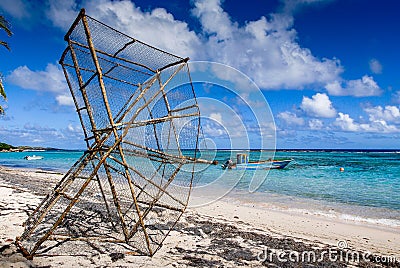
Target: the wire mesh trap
pixel 141 124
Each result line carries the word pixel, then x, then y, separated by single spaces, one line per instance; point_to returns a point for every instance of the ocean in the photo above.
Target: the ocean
pixel 367 190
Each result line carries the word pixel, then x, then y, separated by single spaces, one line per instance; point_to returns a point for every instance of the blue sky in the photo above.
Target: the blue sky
pixel 328 69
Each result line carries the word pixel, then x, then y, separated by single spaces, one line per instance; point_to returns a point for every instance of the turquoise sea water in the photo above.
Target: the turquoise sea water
pixel 369 186
pixel 52 160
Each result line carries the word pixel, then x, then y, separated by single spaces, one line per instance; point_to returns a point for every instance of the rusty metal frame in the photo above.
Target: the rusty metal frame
pixel 108 148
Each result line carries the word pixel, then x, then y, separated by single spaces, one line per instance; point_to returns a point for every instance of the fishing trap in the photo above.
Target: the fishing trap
pixel 141 124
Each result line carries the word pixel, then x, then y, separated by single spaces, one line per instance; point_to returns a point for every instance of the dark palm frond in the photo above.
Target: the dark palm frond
pixel 5 45
pixel 5 26
pixel 2 91
pixel 3 94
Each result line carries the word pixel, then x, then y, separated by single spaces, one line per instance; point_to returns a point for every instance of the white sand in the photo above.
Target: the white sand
pixel 195 242
pixel 359 235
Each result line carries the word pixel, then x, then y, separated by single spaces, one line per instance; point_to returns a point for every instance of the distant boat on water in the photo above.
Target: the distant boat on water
pixel 244 163
pixel 33 157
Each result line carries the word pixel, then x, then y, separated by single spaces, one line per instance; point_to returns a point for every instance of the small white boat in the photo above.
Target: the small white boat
pixel 33 157
pixel 244 163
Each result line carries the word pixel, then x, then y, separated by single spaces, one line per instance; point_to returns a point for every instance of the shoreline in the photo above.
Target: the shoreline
pixel 355 213
pixel 275 202
pixel 240 230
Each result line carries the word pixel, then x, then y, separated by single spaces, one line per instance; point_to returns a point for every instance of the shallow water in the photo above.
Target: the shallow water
pixel 368 189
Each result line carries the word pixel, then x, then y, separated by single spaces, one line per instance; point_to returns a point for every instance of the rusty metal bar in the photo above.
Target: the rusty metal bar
pixel 75 199
pixel 82 88
pixel 105 100
pixel 160 194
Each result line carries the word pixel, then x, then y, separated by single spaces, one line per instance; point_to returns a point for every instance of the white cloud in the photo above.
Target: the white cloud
pixel 51 79
pixel 65 100
pixel 366 86
pixel 388 113
pixel 74 130
pixel 68 137
pixel 62 13
pixel 315 124
pixel 217 117
pixel 318 106
pixel 242 82
pixel 16 8
pixel 380 126
pixel 265 49
pixel 380 119
pixel 375 66
pixel 345 123
pixel 214 19
pixel 213 130
pixel 291 118
pixel 156 27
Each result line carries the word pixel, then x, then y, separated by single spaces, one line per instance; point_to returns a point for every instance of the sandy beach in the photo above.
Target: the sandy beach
pixel 225 233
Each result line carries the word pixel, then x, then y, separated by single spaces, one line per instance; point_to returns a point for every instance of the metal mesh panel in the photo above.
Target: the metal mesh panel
pixel 140 118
